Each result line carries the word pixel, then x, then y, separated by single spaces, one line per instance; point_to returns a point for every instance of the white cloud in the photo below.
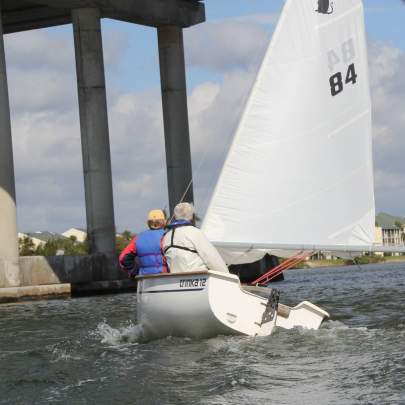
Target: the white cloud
pixel 262 19
pixel 387 65
pixel 226 45
pixel 385 180
pixel 37 90
pixel 54 136
pixel 38 49
pixel 55 47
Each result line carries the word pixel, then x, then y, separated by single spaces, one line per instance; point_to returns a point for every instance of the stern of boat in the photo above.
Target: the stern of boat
pixel 177 304
pixel 243 311
pixel 201 304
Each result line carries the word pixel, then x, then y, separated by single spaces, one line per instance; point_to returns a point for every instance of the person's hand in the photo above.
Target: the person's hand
pixel 132 273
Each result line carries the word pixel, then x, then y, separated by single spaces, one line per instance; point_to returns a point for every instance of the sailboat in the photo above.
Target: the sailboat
pixel 298 177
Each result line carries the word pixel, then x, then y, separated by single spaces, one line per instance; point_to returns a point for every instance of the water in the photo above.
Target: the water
pixel 86 351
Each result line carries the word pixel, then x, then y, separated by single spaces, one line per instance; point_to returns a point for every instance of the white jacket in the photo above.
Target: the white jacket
pixel 203 256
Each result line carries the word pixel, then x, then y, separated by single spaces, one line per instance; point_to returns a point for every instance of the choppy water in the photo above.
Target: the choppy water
pixel 85 351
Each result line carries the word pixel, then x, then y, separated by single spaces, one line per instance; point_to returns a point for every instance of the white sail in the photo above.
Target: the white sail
pixel 299 171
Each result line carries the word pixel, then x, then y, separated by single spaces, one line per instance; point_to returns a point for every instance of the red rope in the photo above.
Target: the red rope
pixel 285 265
pixel 280 267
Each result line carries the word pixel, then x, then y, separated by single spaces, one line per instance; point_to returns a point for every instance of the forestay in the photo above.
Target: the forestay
pixel 299 171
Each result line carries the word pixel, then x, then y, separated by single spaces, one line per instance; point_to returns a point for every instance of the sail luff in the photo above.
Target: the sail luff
pixel 274 37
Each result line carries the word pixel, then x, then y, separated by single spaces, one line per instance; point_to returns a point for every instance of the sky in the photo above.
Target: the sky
pixel 222 57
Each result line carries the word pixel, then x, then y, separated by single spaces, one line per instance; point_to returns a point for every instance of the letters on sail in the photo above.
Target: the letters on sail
pixel 299 170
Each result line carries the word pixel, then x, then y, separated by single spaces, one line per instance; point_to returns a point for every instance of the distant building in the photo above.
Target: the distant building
pixel 40 238
pixel 388 235
pixel 392 236
pixel 78 233
pixel 391 230
pixel 35 241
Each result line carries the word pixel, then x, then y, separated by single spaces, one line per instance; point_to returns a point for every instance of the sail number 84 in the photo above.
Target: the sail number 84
pixel 345 54
pixel 336 80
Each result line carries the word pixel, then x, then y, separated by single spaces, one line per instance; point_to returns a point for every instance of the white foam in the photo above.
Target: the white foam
pixel 82 382
pixel 116 337
pixel 62 355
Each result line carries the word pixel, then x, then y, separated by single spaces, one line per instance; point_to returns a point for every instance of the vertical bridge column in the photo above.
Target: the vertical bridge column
pixel 94 130
pixel 175 115
pixel 9 269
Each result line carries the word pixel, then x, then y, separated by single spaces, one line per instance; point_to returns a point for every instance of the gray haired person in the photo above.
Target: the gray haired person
pixel 186 248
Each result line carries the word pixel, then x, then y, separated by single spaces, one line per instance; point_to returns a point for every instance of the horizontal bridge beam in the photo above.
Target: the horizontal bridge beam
pixel 21 15
pixel 34 18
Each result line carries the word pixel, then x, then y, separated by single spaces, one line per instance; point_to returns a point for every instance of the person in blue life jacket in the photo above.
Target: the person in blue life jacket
pixel 146 247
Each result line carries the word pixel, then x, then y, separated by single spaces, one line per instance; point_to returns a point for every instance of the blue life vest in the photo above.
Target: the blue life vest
pixel 172 228
pixel 149 253
pixel 177 223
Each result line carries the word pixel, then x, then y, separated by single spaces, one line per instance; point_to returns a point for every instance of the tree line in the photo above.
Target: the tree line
pixel 66 246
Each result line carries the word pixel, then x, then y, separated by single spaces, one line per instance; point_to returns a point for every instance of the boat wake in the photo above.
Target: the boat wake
pixel 335 329
pixel 134 333
pixel 116 337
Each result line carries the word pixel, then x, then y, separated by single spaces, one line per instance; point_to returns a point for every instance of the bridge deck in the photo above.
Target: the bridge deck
pixel 22 15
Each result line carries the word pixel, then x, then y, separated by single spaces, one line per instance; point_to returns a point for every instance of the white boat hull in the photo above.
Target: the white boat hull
pixel 305 315
pixel 201 305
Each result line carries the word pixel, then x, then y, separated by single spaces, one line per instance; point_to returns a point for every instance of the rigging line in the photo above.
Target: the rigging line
pixel 258 60
pixel 225 148
pixel 193 176
pixel 283 266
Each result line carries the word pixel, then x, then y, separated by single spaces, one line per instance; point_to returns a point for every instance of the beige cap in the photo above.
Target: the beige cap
pixel 156 215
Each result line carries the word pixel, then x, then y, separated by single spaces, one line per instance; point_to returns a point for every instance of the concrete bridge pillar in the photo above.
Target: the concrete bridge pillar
pixel 94 130
pixel 9 269
pixel 175 115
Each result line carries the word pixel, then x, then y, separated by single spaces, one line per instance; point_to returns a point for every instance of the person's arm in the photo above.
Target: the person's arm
pixel 127 258
pixel 208 253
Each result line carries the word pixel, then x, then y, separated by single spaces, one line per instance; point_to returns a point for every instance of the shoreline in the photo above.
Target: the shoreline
pixel 73 290
pixel 313 264
pixel 64 290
